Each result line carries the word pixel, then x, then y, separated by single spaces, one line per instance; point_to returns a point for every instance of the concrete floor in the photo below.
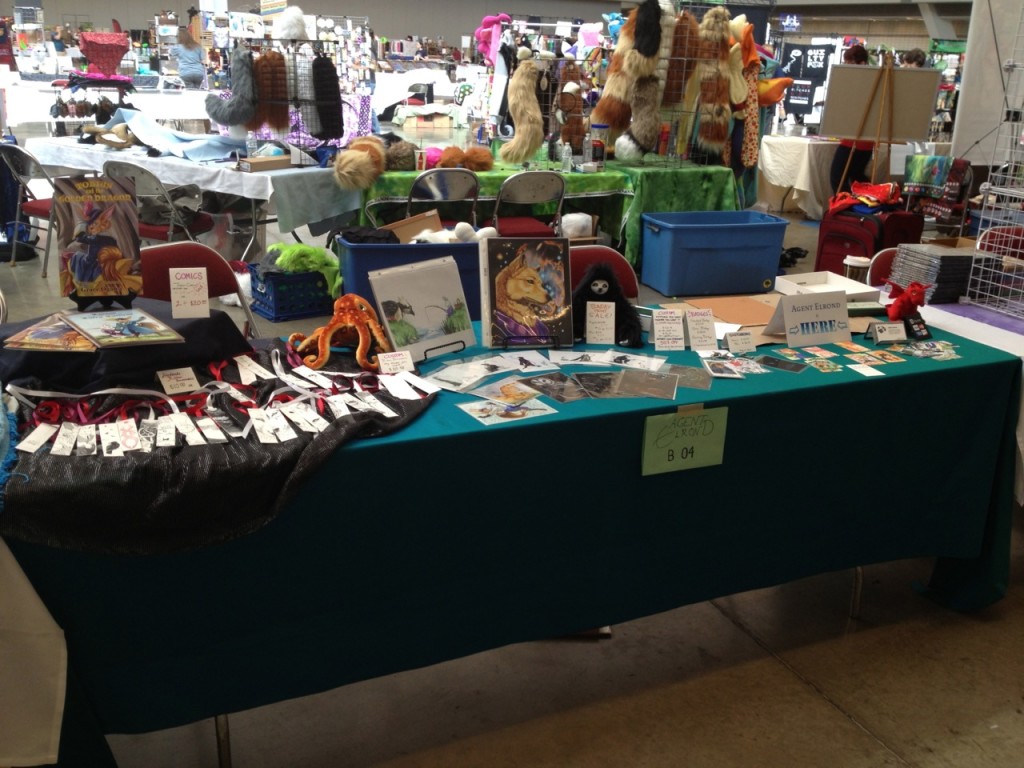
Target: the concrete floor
pixel 775 678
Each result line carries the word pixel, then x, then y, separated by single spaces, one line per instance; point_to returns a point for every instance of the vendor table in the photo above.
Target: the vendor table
pixel 800 165
pixel 301 196
pixel 447 538
pixel 619 195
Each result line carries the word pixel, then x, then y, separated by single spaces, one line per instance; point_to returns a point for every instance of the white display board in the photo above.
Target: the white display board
pixel 853 88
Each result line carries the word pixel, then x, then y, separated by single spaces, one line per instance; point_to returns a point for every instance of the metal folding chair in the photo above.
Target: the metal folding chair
pixel 147 185
pixel 520 195
pixel 25 168
pixel 447 185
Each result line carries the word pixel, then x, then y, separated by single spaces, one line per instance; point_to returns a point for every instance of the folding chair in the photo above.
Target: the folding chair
pixel 525 190
pixel 939 188
pixel 149 187
pixel 158 260
pixel 881 266
pixel 25 168
pixel 450 185
pixel 581 257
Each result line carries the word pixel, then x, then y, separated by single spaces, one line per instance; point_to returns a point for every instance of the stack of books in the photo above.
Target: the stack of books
pixel 947 270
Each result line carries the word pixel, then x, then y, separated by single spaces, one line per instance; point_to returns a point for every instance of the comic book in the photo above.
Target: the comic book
pixel 99 226
pixel 50 334
pixel 423 308
pixel 525 292
pixel 121 327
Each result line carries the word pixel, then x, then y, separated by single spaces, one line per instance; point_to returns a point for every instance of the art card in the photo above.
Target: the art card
pixel 852 346
pixel 639 383
pixel 825 366
pixel 633 360
pixel 558 386
pixel 796 354
pixel 887 356
pixel 489 412
pixel 720 369
pixel 690 377
pixel 528 361
pixel 864 358
pixel 746 366
pixel 576 357
pixel 598 383
pixel 509 390
pixel 817 352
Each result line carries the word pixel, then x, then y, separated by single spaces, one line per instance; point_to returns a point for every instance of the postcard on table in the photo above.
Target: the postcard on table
pixel 489 412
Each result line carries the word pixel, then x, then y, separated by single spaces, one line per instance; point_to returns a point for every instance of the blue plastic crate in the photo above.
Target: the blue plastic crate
pixel 280 296
pixel 699 253
pixel 357 260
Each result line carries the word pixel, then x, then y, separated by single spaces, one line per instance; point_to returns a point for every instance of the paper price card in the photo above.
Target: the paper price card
pixel 684 439
pixel 189 294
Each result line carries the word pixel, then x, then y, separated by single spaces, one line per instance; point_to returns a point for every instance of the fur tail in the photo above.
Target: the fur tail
pixel 642 136
pixel 525 111
pixel 359 166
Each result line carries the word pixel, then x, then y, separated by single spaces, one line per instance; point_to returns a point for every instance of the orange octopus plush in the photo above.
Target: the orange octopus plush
pixel 353 324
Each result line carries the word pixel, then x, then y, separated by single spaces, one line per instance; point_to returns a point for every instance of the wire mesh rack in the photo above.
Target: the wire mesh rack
pixel 997 274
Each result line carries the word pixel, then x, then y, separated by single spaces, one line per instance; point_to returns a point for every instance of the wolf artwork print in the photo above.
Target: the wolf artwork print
pixel 525 293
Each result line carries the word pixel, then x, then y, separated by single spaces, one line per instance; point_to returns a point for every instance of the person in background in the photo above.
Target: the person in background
pixel 915 57
pixel 57 38
pixel 189 55
pixel 857 152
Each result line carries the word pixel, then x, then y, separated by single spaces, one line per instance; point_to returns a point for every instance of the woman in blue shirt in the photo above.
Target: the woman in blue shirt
pixel 189 54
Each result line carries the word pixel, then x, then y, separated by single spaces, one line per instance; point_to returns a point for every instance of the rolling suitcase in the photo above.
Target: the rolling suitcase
pixel 846 233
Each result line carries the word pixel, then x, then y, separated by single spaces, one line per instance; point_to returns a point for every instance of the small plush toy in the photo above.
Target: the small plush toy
pixel 907 300
pixel 463 232
pixel 599 284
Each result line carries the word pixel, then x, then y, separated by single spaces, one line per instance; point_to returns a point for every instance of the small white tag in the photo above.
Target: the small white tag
pixel 322 381
pixel 866 370
pixel 64 443
pixel 37 438
pixel 377 405
pixel 184 424
pixel 110 440
pixel 178 380
pixel 210 430
pixel 189 292
pixel 740 342
pixel 282 429
pixel 887 333
pixel 147 434
pixel 85 443
pixel 400 388
pixel 296 413
pixel 338 407
pixel 128 433
pixel 355 403
pixel 166 432
pixel 394 362
pixel 264 432
pixel 421 384
pixel 247 367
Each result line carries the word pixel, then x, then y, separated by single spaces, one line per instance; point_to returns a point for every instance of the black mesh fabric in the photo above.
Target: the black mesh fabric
pixel 169 500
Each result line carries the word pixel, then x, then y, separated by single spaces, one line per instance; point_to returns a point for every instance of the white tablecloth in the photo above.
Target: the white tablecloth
pixel 300 196
pixel 795 169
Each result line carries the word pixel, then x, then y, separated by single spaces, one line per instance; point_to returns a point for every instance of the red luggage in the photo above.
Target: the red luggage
pixel 846 233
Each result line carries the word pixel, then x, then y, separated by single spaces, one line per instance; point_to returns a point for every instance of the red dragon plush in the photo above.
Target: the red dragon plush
pixel 907 300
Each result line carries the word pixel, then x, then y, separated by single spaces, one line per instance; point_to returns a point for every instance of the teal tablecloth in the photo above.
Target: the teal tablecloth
pixel 448 538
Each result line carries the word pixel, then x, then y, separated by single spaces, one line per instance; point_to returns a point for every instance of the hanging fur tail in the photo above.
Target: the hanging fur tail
pixel 642 136
pixel 525 111
pixel 612 109
pixel 714 111
pixel 361 164
pixel 241 106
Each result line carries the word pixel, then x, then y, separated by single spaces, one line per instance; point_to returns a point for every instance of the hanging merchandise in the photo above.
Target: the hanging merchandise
pixel 240 106
pixel 525 111
pixel 271 79
pixel 328 98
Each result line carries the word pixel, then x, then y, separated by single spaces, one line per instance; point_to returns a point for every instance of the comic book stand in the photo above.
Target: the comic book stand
pixel 106 302
pixel 916 327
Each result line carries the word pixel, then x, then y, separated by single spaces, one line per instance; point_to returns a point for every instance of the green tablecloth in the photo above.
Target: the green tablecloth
pixel 620 194
pixel 447 538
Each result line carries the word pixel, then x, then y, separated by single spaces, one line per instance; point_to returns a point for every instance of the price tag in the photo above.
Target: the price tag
pixel 396 362
pixel 190 295
pixel 685 439
pixel 178 380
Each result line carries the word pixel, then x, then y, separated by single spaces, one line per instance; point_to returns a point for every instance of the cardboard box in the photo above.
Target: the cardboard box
pixel 257 164
pixel 433 123
pixel 407 229
pixel 953 242
pixel 823 282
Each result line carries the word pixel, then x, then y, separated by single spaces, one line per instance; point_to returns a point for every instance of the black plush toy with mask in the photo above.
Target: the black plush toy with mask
pixel 599 284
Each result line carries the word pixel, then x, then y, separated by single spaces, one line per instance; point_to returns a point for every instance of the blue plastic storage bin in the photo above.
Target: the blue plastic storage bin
pixel 358 259
pixel 695 253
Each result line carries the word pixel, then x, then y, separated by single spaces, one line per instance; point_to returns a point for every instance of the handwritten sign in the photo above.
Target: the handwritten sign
pixel 684 439
pixel 600 322
pixel 178 380
pixel 190 295
pixel 668 332
pixel 700 329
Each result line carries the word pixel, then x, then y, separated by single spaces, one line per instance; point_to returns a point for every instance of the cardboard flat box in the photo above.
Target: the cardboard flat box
pixel 823 282
pixel 407 229
pixel 953 242
pixel 433 122
pixel 256 164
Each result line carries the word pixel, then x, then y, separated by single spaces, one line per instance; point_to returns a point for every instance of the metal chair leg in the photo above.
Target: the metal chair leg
pixel 223 741
pixel 49 239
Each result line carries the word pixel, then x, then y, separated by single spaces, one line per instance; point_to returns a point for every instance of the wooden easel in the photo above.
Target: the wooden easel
pixel 883 80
